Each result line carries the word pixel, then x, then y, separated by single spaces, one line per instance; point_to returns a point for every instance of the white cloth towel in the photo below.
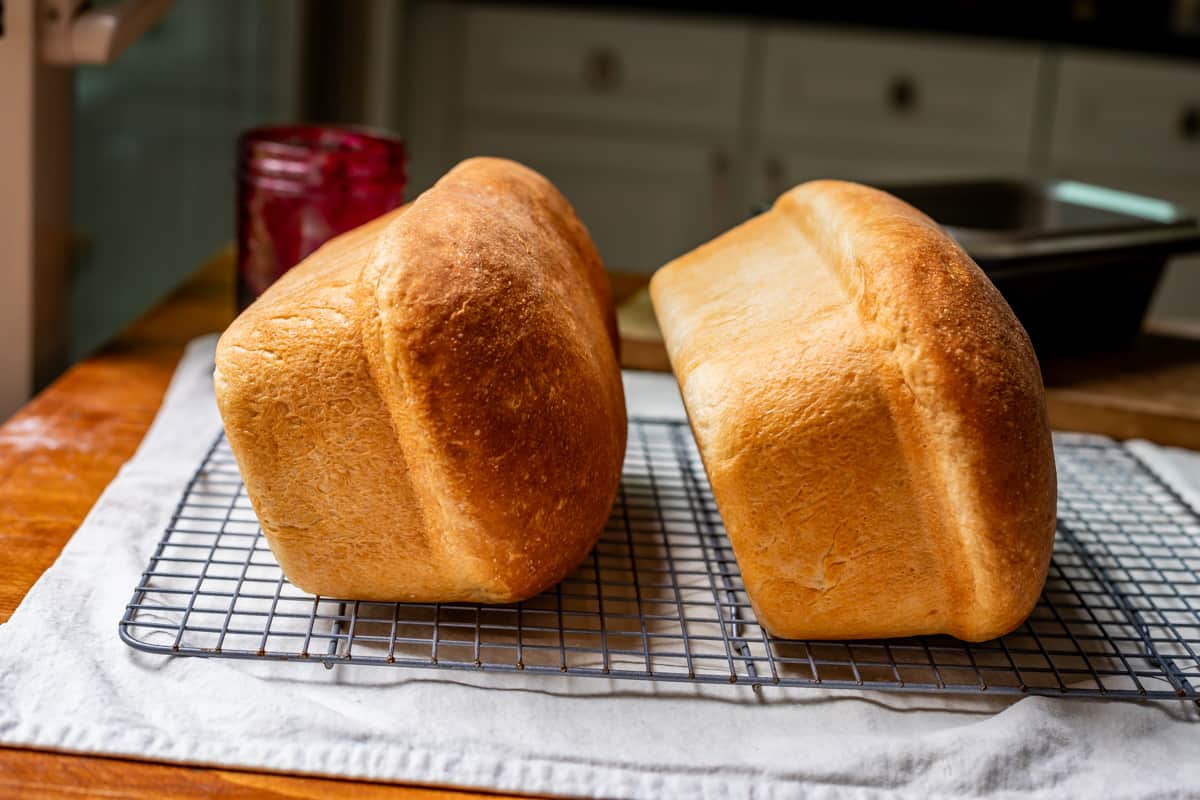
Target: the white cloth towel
pixel 67 682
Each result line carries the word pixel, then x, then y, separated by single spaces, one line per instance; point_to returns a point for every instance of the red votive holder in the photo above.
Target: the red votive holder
pixel 301 185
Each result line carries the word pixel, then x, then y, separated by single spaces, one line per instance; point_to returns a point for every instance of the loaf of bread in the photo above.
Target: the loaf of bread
pixel 871 417
pixel 429 408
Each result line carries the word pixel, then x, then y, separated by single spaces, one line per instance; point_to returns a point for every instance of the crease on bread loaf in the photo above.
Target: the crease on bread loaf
pixel 871 417
pixel 440 416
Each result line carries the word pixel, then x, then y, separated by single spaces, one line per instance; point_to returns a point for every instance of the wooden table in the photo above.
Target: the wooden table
pixel 60 451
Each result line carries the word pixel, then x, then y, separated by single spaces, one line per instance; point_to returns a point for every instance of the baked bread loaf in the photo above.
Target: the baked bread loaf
pixel 871 416
pixel 429 408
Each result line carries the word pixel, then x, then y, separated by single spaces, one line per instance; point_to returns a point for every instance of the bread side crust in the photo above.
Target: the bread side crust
pixel 313 440
pixel 493 346
pixel 975 380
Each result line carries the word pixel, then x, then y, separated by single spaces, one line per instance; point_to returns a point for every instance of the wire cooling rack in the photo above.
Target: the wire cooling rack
pixel 660 598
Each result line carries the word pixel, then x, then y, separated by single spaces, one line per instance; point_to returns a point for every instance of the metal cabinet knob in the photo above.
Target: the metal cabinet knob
pixel 602 70
pixel 1189 123
pixel 902 94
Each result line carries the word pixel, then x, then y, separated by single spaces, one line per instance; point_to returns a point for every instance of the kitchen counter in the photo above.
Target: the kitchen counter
pixel 60 451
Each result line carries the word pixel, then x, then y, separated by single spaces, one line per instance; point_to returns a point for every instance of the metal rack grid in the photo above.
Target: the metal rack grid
pixel 660 598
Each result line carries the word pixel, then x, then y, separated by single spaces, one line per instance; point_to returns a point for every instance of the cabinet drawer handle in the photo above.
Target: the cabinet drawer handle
pixel 1189 123
pixel 902 94
pixel 602 70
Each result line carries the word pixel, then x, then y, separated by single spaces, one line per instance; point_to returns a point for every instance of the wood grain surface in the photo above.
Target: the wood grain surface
pixel 59 452
pixel 36 774
pixel 1148 390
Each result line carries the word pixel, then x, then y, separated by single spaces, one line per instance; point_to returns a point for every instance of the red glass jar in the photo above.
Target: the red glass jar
pixel 299 186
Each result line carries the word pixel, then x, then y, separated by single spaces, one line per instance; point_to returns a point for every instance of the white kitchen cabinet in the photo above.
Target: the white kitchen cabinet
pixel 876 90
pixel 643 201
pixel 665 130
pixel 602 69
pixel 1121 111
pixel 636 118
pixel 885 108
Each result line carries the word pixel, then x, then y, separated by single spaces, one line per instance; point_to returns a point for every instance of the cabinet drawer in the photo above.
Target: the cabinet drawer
pixel 911 91
pixel 595 67
pixel 644 202
pixel 1131 112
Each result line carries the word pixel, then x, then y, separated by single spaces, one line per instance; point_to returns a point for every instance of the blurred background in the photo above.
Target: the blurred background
pixel 664 123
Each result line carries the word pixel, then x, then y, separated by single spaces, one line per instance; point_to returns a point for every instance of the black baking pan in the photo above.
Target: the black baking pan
pixel 1078 263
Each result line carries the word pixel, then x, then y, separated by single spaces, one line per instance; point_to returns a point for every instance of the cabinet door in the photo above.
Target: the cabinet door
pixel 644 202
pixel 870 93
pixel 602 68
pixel 1127 112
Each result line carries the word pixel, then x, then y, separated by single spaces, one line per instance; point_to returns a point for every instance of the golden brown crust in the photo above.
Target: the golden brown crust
pixel 872 418
pixel 505 409
pixel 479 334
